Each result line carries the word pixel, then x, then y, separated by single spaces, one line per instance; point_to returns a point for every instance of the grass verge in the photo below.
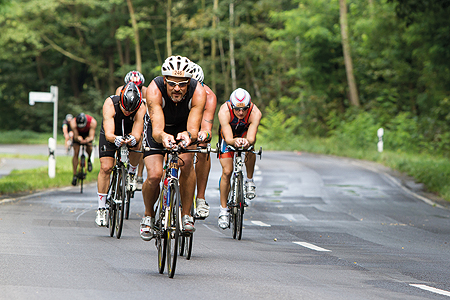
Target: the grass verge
pixel 432 171
pixel 31 180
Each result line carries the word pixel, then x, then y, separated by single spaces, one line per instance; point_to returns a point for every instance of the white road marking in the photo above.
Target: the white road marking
pixel 431 289
pixel 259 223
pixel 311 246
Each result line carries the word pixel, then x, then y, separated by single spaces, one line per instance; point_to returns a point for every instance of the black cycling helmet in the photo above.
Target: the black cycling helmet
pixel 130 97
pixel 81 120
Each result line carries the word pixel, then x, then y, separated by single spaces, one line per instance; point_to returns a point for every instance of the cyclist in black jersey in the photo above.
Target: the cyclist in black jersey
pixel 67 132
pixel 139 80
pixel 122 116
pixel 175 103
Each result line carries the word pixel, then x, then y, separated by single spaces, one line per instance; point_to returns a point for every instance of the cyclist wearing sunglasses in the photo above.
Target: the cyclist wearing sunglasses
pixel 175 105
pixel 138 79
pixel 203 165
pixel 122 116
pixel 239 120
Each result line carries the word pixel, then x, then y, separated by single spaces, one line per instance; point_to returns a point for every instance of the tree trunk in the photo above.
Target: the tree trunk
pixel 201 44
pixel 253 79
pixel 136 36
pixel 354 99
pixel 111 85
pixel 169 28
pixel 232 61
pixel 214 45
pixel 225 69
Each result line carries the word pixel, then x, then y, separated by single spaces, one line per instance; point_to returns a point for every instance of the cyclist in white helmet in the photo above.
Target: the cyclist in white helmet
pixel 239 120
pixel 175 105
pixel 203 165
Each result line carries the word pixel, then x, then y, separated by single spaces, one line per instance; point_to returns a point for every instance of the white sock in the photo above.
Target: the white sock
pixel 131 169
pixel 249 179
pixel 223 210
pixel 101 200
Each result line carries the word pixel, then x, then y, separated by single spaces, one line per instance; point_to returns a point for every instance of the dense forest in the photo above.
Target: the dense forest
pixel 340 68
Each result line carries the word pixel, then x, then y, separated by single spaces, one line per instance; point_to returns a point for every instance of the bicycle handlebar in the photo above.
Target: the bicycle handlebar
pixel 249 149
pixel 180 150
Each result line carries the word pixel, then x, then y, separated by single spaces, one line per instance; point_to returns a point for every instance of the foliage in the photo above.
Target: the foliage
pixel 288 55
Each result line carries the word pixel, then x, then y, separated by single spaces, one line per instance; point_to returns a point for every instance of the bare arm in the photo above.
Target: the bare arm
pixel 92 128
pixel 224 120
pixel 138 125
pixel 195 115
pixel 108 120
pixel 155 111
pixel 73 125
pixel 254 119
pixel 208 113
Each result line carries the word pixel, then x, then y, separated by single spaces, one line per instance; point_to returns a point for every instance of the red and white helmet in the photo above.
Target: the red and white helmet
pixel 240 98
pixel 177 66
pixel 136 77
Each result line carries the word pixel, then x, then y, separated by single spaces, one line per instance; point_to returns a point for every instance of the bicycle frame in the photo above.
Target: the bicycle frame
pixel 117 196
pixel 168 224
pixel 236 197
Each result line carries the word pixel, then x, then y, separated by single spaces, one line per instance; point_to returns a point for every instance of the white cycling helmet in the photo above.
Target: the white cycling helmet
pixel 240 98
pixel 197 72
pixel 177 66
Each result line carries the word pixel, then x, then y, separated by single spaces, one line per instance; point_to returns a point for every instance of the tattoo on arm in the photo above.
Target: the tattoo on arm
pixel 208 121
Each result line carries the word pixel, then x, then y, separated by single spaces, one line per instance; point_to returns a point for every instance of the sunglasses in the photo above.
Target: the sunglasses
pixel 181 84
pixel 240 108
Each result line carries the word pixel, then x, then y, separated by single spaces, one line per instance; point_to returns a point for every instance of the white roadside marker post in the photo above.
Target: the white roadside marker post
pixel 49 97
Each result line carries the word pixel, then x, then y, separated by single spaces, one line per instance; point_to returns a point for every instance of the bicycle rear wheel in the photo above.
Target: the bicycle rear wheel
pixel 190 238
pixel 233 206
pixel 173 218
pixel 239 218
pixel 127 205
pixel 120 203
pixel 81 174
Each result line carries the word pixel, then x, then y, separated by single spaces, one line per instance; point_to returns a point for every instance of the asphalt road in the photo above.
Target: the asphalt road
pixel 320 228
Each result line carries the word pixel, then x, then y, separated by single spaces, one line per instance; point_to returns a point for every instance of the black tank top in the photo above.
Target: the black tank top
pixel 176 114
pixel 122 124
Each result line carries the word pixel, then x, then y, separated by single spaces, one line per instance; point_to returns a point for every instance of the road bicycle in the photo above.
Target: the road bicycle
pixel 168 230
pixel 118 196
pixel 236 197
pixel 185 241
pixel 81 170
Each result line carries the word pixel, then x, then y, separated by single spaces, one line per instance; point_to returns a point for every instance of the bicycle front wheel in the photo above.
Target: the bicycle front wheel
pixel 233 206
pixel 173 218
pixel 120 203
pixel 239 218
pixel 161 244
pixel 111 198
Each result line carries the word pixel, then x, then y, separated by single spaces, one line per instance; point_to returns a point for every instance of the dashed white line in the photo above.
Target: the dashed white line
pixel 311 246
pixel 431 289
pixel 259 223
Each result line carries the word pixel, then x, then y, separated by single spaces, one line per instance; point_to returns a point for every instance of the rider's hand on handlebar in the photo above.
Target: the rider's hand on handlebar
pixel 168 141
pixel 184 138
pixel 131 140
pixel 241 142
pixel 203 136
pixel 118 141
